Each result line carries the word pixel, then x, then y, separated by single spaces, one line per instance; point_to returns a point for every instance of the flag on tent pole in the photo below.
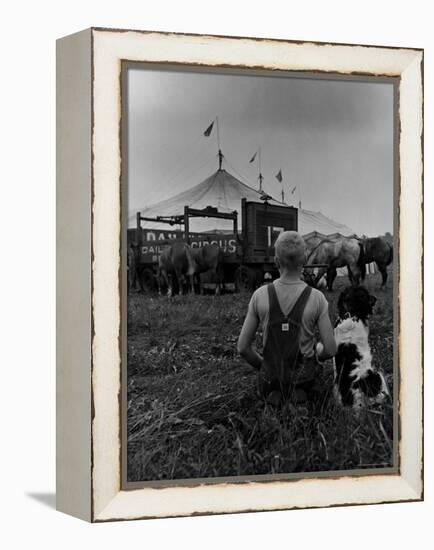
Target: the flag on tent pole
pixel 253 158
pixel 279 176
pixel 292 192
pixel 209 129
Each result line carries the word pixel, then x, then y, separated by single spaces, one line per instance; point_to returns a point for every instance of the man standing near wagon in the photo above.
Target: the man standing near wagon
pixel 289 312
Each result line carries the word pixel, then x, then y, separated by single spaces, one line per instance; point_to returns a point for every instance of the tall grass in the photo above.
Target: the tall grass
pixel 192 408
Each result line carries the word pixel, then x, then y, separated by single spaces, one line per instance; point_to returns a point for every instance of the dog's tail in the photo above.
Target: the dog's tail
pixel 361 263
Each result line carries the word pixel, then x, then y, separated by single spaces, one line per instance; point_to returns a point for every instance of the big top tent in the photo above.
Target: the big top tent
pixel 224 191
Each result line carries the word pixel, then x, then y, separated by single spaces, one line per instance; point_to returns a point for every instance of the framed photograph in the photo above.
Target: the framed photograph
pixel 239 274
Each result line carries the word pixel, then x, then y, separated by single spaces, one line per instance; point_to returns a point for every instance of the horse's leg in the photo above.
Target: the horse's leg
pixel 188 284
pixel 162 278
pixel 218 278
pixel 354 274
pixel 189 281
pixel 383 270
pixel 191 276
pixel 133 281
pixel 159 275
pixel 168 279
pixel 356 277
pixel 196 284
pixel 140 279
pixel 178 278
pixel 221 278
pixel 331 276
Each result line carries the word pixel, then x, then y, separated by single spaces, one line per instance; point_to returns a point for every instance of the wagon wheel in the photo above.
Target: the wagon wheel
pixel 244 279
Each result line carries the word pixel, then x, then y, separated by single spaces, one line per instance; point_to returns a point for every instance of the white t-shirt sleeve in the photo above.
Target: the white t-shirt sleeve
pixel 253 304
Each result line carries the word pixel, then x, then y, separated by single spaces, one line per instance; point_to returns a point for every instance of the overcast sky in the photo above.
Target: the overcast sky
pixel 333 139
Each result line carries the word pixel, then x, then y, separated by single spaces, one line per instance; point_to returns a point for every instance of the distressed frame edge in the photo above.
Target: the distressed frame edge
pixel 73 291
pixel 407 493
pixel 256 39
pixel 411 145
pixel 413 491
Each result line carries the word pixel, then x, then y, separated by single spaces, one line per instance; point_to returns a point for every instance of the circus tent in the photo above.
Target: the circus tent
pixel 224 191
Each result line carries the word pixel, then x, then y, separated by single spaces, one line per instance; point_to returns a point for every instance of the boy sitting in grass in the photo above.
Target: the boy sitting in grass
pixel 289 311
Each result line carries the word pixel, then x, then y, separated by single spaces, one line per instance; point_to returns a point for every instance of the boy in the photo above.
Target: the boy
pixel 289 311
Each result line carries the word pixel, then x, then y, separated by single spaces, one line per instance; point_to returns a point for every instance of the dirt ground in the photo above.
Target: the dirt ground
pixel 192 409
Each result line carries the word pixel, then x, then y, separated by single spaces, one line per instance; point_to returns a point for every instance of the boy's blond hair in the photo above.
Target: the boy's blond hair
pixel 290 250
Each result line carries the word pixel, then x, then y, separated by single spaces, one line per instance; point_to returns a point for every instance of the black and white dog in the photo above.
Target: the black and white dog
pixel 357 383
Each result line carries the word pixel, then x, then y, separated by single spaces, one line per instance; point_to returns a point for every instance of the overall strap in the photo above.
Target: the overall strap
pixel 275 310
pixel 296 312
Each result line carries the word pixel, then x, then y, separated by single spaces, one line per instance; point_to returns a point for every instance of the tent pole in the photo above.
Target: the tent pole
pixel 220 159
pixel 186 225
pixel 218 132
pixel 220 154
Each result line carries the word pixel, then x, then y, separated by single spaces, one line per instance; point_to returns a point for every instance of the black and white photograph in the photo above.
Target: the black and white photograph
pixel 259 221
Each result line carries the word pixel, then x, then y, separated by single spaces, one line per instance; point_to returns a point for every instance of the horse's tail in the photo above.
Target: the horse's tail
pixel 361 263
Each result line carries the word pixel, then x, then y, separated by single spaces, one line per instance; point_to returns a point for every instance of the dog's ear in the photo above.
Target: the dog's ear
pixel 340 304
pixel 372 300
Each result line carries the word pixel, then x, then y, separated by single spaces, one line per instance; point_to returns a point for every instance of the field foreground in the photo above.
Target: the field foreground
pixel 192 409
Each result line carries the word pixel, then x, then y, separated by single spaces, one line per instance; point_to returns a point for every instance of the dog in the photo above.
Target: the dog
pixel 357 383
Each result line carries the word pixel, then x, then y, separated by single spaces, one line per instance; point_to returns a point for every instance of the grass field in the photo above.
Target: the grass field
pixel 192 409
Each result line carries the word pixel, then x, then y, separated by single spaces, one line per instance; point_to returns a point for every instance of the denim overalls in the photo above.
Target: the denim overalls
pixel 284 368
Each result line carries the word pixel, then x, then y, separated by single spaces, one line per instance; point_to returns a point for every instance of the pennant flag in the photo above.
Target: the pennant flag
pixel 279 176
pixel 254 156
pixel 209 129
pixel 292 192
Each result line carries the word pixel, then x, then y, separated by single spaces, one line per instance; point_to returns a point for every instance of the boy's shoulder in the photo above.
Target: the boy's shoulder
pixel 319 302
pixel 260 294
pixel 318 293
pixel 262 290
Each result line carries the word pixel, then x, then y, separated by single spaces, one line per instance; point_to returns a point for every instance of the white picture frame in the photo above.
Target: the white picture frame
pixel 89 274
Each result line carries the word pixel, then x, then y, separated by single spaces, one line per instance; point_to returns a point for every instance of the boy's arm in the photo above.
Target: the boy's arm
pixel 246 338
pixel 327 338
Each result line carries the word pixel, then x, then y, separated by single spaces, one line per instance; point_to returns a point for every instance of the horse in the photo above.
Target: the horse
pixel 132 268
pixel 311 241
pixel 209 258
pixel 176 262
pixel 341 252
pixel 380 251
